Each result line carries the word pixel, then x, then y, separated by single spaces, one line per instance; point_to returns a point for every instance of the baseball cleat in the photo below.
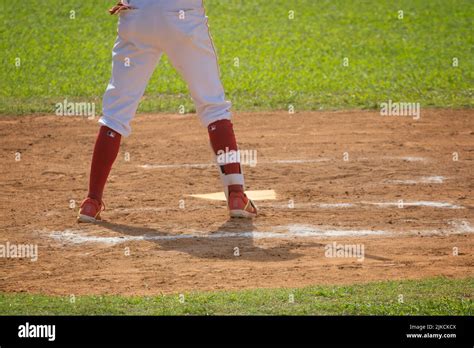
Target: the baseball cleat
pixel 241 206
pixel 90 210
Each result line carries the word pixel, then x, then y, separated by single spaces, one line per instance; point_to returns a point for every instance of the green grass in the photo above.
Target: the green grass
pixel 438 296
pixel 282 61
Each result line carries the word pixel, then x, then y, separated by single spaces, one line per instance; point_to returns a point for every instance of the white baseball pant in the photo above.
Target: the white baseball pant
pixel 179 29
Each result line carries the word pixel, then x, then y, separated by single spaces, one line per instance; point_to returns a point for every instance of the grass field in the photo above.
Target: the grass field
pixel 438 296
pixel 281 61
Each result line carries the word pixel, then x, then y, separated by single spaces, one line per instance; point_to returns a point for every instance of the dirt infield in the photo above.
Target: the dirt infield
pixel 400 188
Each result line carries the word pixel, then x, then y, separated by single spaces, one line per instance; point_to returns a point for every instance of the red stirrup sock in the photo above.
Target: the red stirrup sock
pixel 222 137
pixel 105 152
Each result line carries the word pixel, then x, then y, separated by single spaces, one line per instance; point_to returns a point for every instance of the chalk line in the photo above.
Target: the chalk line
pixel 73 236
pixel 347 205
pixel 305 205
pixel 208 165
pixel 79 237
pixel 436 179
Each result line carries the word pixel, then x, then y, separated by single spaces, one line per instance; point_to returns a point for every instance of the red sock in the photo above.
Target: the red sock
pixel 105 152
pixel 222 137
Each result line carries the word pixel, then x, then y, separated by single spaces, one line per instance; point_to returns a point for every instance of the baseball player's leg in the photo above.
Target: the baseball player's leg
pixel 105 152
pixel 132 67
pixel 133 63
pixel 192 53
pixel 224 145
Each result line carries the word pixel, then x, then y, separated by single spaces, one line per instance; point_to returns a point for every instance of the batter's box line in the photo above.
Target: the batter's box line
pixel 284 161
pixel 209 165
pixel 305 205
pixel 346 205
pixel 292 231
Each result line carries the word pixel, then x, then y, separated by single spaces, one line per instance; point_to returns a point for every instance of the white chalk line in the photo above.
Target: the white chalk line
pixel 406 158
pixel 462 226
pixel 395 158
pixel 308 205
pixel 284 161
pixel 78 237
pixel 403 204
pixel 172 166
pixel 428 204
pixel 72 236
pixel 335 205
pixel 209 165
pixel 435 179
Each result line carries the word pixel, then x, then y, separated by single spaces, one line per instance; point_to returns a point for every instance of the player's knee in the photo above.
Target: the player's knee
pixel 214 112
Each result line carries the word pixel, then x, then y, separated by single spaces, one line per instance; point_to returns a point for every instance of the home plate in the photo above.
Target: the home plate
pixel 258 195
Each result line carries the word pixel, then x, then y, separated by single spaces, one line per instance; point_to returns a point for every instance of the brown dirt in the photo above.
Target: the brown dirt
pixel 55 156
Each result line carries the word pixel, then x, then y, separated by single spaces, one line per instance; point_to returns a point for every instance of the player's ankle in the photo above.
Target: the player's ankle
pixel 95 197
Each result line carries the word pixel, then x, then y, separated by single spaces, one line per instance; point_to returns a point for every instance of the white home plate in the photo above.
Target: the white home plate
pixel 259 195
